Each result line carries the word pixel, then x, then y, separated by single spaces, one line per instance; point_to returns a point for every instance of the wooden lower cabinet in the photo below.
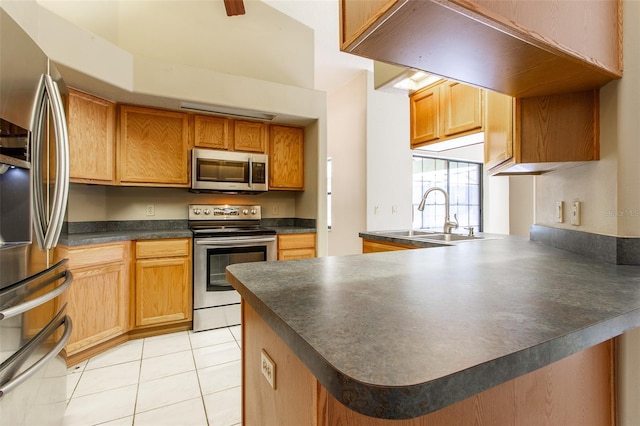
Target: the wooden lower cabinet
pixel 162 282
pixel 293 400
pixel 370 246
pixel 98 299
pixel 296 246
pixel 577 390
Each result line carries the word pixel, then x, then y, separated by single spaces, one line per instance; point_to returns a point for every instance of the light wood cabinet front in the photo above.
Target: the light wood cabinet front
pixel 293 401
pixel 541 134
pixel 163 293
pixel 154 147
pixel 370 246
pixel 91 123
pixel 250 136
pixel 425 116
pixel 296 246
pixel 462 108
pixel 211 132
pixel 286 158
pixel 98 299
pixel 443 111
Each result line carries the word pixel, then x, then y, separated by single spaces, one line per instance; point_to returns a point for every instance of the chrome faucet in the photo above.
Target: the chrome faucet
pixel 448 223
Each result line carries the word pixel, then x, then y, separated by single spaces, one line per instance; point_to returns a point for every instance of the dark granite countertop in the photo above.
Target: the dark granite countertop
pixel 401 334
pixel 83 233
pixel 112 236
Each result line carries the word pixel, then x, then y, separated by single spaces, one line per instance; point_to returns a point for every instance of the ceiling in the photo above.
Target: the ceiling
pixel 333 68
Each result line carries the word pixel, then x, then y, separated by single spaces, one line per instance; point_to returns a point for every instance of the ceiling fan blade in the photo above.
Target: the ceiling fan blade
pixel 234 7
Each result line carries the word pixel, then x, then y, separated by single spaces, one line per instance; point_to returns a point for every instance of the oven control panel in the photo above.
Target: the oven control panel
pixel 223 212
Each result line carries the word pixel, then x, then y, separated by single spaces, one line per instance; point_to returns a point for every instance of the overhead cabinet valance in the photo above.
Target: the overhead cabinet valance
pixel 519 48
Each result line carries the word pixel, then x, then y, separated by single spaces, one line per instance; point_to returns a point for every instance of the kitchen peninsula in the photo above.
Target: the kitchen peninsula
pixel 496 331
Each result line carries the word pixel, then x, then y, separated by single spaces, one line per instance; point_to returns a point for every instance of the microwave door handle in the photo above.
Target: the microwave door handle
pixel 250 172
pixel 61 190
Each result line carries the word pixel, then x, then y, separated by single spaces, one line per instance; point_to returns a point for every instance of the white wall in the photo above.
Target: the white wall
pixel 389 167
pixel 346 145
pixel 264 43
pixel 89 203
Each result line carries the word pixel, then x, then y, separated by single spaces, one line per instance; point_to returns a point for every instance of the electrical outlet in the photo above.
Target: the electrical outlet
pixel 151 210
pixel 275 210
pixel 268 368
pixel 575 213
pixel 559 211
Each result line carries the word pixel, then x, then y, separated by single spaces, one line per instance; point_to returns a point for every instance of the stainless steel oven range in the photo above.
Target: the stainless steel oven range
pixel 224 235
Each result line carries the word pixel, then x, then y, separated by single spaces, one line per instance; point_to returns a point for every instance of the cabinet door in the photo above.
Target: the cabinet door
pixel 498 134
pixel 98 299
pixel 462 108
pixel 91 123
pixel 211 132
pixel 154 147
pixel 163 293
pixel 425 115
pixel 286 158
pixel 250 136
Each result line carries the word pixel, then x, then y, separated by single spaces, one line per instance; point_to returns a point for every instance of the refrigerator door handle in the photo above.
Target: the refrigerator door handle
pixel 48 226
pixel 42 362
pixel 12 311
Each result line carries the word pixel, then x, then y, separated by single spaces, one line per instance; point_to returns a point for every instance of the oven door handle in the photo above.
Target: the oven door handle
pixel 226 242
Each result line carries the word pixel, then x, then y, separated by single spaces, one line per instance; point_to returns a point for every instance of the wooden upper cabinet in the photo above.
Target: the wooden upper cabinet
pixel 425 115
pixel 211 132
pixel 154 147
pixel 91 123
pixel 519 48
pixel 443 111
pixel 462 111
pixel 286 158
pixel 541 134
pixel 250 136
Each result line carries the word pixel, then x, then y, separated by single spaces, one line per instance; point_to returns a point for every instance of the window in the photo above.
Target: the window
pixel 463 183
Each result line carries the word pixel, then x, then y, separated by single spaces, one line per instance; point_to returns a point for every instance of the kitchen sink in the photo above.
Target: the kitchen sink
pixel 447 237
pixel 408 233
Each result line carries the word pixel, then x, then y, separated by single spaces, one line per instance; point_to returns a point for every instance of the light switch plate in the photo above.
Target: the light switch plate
pixel 559 211
pixel 575 213
pixel 268 368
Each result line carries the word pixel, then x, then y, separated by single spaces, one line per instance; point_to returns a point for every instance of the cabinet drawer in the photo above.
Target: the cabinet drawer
pixel 302 253
pixel 98 254
pixel 163 248
pixel 295 241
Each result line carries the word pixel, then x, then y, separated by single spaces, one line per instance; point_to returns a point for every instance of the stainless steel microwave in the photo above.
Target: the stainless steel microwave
pixel 214 170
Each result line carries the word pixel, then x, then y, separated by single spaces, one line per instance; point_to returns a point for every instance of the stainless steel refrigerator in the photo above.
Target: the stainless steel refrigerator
pixel 34 184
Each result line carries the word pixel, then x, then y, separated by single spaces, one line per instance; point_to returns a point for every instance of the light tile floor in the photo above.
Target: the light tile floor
pixel 183 378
